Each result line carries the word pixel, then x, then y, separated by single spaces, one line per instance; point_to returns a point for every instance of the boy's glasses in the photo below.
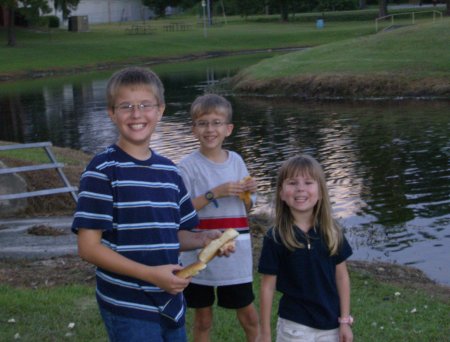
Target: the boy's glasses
pixel 128 108
pixel 214 123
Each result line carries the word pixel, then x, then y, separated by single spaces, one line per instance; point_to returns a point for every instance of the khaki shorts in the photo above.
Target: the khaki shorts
pixel 288 331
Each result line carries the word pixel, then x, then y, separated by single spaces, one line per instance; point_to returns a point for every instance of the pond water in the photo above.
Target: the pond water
pixel 387 163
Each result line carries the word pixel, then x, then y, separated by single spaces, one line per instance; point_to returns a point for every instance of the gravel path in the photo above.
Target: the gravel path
pixel 37 238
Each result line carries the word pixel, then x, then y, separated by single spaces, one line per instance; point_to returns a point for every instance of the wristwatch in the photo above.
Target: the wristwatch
pixel 346 320
pixel 210 197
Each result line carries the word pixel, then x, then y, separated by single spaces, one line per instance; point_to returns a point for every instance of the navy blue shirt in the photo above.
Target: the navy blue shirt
pixel 306 277
pixel 139 206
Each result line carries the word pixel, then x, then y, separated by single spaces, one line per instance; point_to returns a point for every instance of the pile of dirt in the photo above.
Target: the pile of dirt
pixel 45 273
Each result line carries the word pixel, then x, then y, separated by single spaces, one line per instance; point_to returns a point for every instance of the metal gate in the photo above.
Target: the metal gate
pixel 52 165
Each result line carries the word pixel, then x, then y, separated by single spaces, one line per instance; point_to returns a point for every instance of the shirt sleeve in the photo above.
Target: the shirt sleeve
pixel 188 214
pixel 270 255
pixel 95 202
pixel 345 251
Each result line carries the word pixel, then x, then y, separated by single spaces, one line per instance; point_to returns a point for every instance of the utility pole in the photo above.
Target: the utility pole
pixel 109 12
pixel 208 2
pixel 205 34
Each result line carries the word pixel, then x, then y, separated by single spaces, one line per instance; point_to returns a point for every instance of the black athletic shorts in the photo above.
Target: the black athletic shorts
pixel 229 297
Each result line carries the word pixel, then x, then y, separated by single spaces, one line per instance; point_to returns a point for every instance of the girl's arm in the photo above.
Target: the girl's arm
pixel 343 287
pixel 91 249
pixel 268 283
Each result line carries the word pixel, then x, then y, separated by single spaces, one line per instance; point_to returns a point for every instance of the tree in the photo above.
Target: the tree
pixel 382 8
pixel 447 12
pixel 285 7
pixel 30 9
pixel 65 6
pixel 284 10
pixel 159 6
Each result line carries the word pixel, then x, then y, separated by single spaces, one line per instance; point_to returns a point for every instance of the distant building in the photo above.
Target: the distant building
pixel 100 11
pixel 109 11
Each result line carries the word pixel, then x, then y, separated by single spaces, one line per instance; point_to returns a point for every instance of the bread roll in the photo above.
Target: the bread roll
pixel 191 270
pixel 208 253
pixel 246 195
pixel 211 250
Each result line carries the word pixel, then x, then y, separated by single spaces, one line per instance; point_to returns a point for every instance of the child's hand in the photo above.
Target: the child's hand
pixel 249 184
pixel 228 189
pixel 165 279
pixel 227 249
pixel 210 235
pixel 345 333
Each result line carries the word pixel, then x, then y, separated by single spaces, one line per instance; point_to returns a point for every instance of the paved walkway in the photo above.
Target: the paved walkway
pixel 17 243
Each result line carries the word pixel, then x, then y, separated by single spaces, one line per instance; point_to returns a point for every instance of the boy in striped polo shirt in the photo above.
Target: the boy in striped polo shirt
pixel 134 216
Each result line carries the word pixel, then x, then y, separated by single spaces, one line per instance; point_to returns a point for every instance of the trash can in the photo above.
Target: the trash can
pixel 79 23
pixel 320 23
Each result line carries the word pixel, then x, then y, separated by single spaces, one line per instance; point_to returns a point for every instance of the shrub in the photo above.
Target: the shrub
pixel 52 20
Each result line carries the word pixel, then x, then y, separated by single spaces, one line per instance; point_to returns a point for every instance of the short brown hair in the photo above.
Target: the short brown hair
pixel 134 76
pixel 210 103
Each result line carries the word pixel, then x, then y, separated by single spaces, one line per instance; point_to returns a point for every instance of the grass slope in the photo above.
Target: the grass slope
pixel 409 61
pixel 40 52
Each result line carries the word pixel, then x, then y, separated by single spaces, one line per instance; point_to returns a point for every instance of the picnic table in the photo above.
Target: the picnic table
pixel 140 29
pixel 177 26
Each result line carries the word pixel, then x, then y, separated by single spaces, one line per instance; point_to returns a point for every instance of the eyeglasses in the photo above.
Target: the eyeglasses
pixel 214 123
pixel 128 108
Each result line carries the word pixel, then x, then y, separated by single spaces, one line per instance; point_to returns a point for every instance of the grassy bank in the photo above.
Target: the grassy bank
pixel 410 61
pixel 57 51
pixel 347 59
pixel 383 312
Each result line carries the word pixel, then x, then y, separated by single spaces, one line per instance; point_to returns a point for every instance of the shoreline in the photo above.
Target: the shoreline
pixel 337 87
pixel 42 244
pixel 37 74
pixel 345 87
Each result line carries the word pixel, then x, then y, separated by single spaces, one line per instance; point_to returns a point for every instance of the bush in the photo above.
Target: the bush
pixel 52 21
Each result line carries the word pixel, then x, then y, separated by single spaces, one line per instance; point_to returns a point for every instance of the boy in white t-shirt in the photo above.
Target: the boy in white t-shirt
pixel 215 179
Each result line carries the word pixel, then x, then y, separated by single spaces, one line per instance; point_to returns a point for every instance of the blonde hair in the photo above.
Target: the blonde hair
pixel 211 103
pixel 329 229
pixel 134 76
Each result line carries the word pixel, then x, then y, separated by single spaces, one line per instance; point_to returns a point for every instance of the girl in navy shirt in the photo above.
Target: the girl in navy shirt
pixel 303 257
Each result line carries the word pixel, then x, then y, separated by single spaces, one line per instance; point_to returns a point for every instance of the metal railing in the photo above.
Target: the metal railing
pixel 53 165
pixel 412 14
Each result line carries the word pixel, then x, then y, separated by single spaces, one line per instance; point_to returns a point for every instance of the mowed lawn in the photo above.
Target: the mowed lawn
pixel 58 49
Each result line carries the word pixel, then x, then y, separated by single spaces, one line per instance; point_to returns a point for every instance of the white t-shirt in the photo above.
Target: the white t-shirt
pixel 201 175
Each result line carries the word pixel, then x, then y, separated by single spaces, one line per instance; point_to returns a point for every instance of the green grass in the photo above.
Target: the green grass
pixel 342 48
pixel 60 49
pixel 39 156
pixel 383 313
pixel 418 51
pixel 193 67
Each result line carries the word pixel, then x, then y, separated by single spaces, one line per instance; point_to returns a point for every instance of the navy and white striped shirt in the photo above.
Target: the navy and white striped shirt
pixel 139 206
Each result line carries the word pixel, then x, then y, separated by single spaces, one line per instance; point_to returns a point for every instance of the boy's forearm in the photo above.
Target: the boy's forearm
pixel 190 240
pixel 93 251
pixel 199 202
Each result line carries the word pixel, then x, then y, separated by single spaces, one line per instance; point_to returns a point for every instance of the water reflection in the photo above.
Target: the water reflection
pixel 387 163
